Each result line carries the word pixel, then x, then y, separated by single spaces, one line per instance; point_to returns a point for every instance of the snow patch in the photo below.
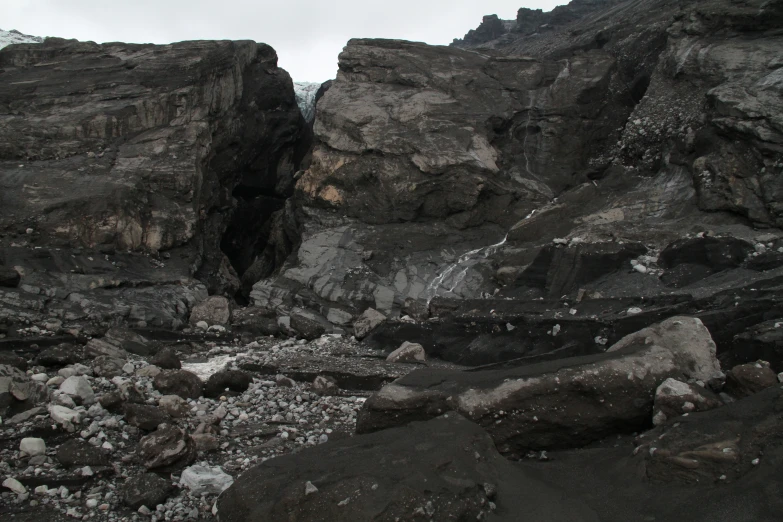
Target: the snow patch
pixel 205 370
pixel 15 37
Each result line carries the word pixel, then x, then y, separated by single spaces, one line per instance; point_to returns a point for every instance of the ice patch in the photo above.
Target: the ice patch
pixel 205 370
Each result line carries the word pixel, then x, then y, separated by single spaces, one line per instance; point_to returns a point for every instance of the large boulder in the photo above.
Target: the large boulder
pixel 167 449
pixel 213 310
pixel 562 403
pixel 406 473
pixel 367 322
pixel 746 379
pixel 179 382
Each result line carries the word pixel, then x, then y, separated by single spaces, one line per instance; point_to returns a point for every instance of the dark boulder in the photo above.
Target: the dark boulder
pixel 75 452
pixel 751 378
pixel 147 489
pixel 167 449
pixel 443 469
pixel 166 359
pixel 144 416
pixel 60 355
pixel 235 381
pixel 179 382
pixel 9 277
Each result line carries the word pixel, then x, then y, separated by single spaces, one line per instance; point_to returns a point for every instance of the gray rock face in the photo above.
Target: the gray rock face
pixel 564 403
pixel 404 473
pixel 751 378
pixel 138 157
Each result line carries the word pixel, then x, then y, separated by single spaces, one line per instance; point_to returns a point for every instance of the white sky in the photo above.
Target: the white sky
pixel 307 34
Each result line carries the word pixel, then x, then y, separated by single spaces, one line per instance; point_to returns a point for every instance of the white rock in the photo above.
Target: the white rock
pixel 203 479
pixel 78 386
pixel 202 325
pixel 634 310
pixel 640 268
pixel 555 330
pixel 14 485
pixel 40 377
pixel 63 415
pixel 129 368
pixel 780 377
pixel 310 488
pixel 408 352
pixel 32 446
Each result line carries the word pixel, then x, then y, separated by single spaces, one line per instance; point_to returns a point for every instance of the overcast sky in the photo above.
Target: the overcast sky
pixel 307 34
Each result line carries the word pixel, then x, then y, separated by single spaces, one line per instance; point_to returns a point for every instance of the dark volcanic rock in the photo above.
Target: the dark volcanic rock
pixel 166 359
pixel 560 270
pixel 721 445
pixel 75 452
pixel 255 320
pixel 147 489
pixel 60 355
pixel 443 469
pixel 306 325
pixel 9 277
pixel 747 379
pixel 564 403
pixel 235 381
pixel 167 449
pixel 144 416
pixel 763 341
pixel 179 382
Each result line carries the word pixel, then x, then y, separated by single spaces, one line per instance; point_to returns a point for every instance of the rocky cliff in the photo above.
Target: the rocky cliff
pixel 614 127
pixel 123 167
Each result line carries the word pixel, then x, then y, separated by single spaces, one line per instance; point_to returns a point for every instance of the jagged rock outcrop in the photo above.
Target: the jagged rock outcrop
pixel 564 403
pixel 122 162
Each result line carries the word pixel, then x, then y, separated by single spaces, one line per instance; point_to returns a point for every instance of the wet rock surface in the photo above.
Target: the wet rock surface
pixel 565 228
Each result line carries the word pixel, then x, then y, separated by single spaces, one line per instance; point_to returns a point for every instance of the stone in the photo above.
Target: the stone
pixel 32 447
pixel 167 449
pixel 65 416
pixel 674 398
pixel 339 317
pixel 148 371
pixel 203 479
pixel 60 355
pixel 408 352
pixel 106 366
pixel 144 416
pixel 78 387
pixel 205 442
pixel 166 359
pixel 179 382
pixel 324 385
pixel 75 453
pixel 554 404
pixel 400 473
pixel 718 443
pixel 102 347
pixel 236 381
pixel 128 341
pixel 214 310
pixel 306 325
pixel 146 489
pixel 173 405
pixel 747 379
pixel 9 277
pixel 367 322
pixel 14 485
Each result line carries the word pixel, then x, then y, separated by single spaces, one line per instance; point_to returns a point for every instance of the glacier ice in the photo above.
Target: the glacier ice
pixel 305 98
pixel 15 37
